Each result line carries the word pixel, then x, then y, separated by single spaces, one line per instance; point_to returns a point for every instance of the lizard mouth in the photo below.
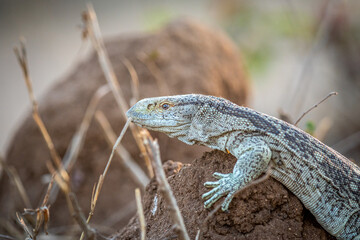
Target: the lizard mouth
pixel 156 123
pixel 148 120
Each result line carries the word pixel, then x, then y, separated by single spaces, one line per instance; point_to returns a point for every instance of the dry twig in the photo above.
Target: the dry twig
pixel 128 162
pixel 164 187
pixel 24 225
pixel 115 146
pixel 92 30
pixel 315 106
pixel 78 139
pixel 15 178
pixel 59 174
pixel 134 81
pixel 5 237
pixel 22 59
pixel 42 218
pixel 143 150
pixel 140 212
pixel 64 185
pixel 80 218
pixel 97 187
pixel 11 228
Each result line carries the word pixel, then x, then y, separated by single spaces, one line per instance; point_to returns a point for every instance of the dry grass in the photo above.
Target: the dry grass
pixel 59 168
pixel 78 139
pixel 60 175
pixel 92 30
pixel 315 106
pixel 97 187
pixel 127 162
pixel 140 211
pixel 16 180
pixel 152 147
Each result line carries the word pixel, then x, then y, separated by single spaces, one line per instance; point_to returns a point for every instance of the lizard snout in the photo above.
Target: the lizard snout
pixel 131 112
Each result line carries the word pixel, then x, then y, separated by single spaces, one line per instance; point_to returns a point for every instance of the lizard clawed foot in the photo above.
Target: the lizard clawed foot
pixel 228 184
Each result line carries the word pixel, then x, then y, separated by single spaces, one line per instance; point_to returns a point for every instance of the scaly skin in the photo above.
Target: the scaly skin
pixel 327 183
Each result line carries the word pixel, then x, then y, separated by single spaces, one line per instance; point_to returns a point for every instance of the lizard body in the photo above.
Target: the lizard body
pixel 327 183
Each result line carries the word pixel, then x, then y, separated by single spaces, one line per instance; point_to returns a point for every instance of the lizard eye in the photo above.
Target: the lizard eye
pixel 165 106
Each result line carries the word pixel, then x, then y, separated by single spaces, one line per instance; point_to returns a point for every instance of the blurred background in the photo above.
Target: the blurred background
pixel 289 56
pixel 295 53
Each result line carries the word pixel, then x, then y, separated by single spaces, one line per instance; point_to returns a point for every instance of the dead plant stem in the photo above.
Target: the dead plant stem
pixel 140 212
pixel 164 187
pixel 127 161
pixel 93 30
pixel 98 186
pixel 315 106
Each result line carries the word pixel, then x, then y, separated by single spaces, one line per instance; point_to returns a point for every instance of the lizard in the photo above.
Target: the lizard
pixel 326 182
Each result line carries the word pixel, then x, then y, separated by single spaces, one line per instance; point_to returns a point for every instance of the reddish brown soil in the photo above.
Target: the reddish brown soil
pixel 266 210
pixel 190 59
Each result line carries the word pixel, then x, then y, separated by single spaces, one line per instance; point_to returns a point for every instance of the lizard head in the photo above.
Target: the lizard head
pixel 171 114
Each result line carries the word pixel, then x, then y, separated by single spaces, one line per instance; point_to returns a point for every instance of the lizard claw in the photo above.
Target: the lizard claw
pixel 216 183
pixel 210 193
pixel 227 201
pixel 211 184
pixel 220 175
pixel 216 196
pixel 227 184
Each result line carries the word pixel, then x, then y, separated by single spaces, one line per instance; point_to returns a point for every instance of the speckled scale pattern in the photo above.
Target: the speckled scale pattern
pixel 326 182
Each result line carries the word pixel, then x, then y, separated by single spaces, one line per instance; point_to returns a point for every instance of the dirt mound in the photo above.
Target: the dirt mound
pixel 184 57
pixel 263 211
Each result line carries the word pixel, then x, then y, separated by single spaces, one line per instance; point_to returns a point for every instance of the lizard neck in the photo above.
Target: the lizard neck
pixel 207 129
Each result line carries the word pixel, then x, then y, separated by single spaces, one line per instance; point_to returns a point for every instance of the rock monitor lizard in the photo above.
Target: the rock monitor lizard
pixel 326 182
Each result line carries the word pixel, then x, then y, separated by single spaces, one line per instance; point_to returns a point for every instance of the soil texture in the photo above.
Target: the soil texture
pixel 266 210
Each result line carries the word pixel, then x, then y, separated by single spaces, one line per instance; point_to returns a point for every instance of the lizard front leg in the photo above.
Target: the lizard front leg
pixel 253 156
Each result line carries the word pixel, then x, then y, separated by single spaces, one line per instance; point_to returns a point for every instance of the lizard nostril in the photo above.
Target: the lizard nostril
pixel 149 106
